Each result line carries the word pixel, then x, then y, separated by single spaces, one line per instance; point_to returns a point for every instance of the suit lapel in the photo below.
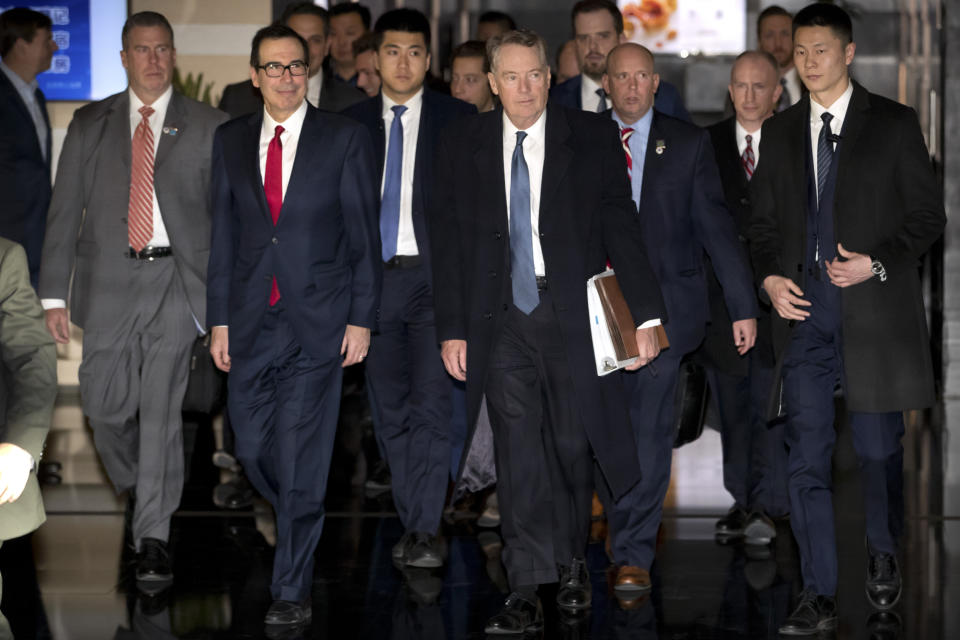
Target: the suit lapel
pixel 312 141
pixel 250 162
pixel 42 101
pixel 174 124
pixel 557 156
pixel 732 152
pixel 379 136
pixel 853 122
pixel 13 97
pixel 488 159
pixel 652 160
pixel 117 135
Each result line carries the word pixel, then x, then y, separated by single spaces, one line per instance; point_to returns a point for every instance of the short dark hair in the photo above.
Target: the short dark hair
pixel 366 42
pixel 504 19
pixel 770 12
pixel 275 31
pixel 471 49
pixel 589 6
pixel 822 14
pixel 144 19
pixel 20 22
pixel 305 9
pixel 406 20
pixel 344 8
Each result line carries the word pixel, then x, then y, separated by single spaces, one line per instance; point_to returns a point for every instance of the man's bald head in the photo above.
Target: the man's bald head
pixel 751 56
pixel 628 48
pixel 754 88
pixel 630 81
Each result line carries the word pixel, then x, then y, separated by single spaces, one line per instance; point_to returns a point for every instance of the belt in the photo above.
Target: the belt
pixel 149 253
pixel 541 283
pixel 402 262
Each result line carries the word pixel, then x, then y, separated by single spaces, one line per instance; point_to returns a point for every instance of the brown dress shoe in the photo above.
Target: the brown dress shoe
pixel 632 579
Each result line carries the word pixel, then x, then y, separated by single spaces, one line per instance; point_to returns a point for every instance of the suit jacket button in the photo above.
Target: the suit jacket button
pixel 488 316
pixel 799 268
pixel 274 240
pixel 505 306
pixel 496 235
pixel 268 278
pixel 744 201
pixel 542 234
pixel 492 274
pixel 561 307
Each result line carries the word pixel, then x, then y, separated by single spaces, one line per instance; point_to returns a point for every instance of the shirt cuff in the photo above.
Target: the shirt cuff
pixel 650 323
pixel 53 303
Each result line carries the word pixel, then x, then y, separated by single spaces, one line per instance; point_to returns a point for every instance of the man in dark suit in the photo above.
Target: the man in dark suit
pixel 754 457
pixel 677 190
pixel 294 282
pixel 409 388
pixel 28 388
pixel 349 21
pixel 312 23
pixel 26 46
pixel 845 203
pixel 127 238
pixel 598 28
pixel 532 201
pixel 775 36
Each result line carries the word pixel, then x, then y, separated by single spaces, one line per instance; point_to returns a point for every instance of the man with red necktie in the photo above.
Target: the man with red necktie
pixel 129 220
pixel 293 290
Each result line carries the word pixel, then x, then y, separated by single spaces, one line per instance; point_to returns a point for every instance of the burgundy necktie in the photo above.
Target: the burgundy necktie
pixel 273 188
pixel 625 134
pixel 140 208
pixel 747 158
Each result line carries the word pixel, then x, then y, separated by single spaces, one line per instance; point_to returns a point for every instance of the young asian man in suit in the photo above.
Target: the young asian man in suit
pixel 130 222
pixel 676 187
pixel 845 203
pixel 409 388
pixel 294 282
pixel 26 46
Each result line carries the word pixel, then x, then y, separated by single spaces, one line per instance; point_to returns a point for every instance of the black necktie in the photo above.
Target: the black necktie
pixel 784 96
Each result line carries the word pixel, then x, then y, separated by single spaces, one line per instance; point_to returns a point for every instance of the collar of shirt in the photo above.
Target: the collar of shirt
pixel 19 83
pixel 315 88
pixel 838 110
pixel 641 131
pixel 291 126
pixel 413 105
pixel 535 132
pixel 588 93
pixel 159 111
pixel 754 142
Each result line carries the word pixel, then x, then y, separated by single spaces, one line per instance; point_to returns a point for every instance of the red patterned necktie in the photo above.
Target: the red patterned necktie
pixel 140 208
pixel 625 134
pixel 273 188
pixel 747 158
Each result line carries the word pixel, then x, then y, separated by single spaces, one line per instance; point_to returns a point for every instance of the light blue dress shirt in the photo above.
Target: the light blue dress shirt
pixel 638 149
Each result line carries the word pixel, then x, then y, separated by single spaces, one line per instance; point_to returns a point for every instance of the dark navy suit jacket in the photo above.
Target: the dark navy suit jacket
pixel 667 100
pixel 438 111
pixel 24 175
pixel 324 249
pixel 683 213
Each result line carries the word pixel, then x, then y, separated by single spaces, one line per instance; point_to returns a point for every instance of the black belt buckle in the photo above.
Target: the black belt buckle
pixel 402 262
pixel 149 253
pixel 541 283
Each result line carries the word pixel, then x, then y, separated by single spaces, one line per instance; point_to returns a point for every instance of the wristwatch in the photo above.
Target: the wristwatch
pixel 877 268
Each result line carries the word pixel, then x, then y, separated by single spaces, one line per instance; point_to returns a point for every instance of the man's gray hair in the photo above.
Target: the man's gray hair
pixel 522 37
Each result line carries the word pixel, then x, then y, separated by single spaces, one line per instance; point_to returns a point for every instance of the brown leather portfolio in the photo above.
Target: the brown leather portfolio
pixel 623 330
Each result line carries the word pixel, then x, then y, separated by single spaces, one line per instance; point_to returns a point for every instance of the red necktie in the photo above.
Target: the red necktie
pixel 625 134
pixel 273 188
pixel 140 208
pixel 747 158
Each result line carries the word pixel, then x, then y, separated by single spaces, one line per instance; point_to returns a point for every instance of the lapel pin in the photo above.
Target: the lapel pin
pixel 170 131
pixel 661 145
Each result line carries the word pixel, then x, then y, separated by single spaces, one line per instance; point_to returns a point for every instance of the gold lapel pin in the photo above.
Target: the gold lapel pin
pixel 661 145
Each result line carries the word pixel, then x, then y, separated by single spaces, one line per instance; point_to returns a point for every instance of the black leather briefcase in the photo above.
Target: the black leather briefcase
pixel 691 401
pixel 207 385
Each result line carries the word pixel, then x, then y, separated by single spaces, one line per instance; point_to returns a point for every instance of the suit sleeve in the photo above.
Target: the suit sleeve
pixel 717 232
pixel 763 231
pixel 65 215
pixel 223 237
pixel 359 197
pixel 447 258
pixel 917 185
pixel 28 355
pixel 623 236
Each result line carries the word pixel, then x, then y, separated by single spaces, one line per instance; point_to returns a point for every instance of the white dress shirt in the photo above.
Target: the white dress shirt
pixel 588 94
pixel 792 84
pixel 28 93
pixel 838 110
pixel 288 142
pixel 754 142
pixel 533 154
pixel 406 237
pixel 314 87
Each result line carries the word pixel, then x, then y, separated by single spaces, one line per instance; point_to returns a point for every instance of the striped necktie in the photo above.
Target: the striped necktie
pixel 602 101
pixel 747 159
pixel 140 208
pixel 625 134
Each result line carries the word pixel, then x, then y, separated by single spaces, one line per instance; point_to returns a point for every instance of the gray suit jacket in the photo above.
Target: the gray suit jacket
pixel 87 223
pixel 28 382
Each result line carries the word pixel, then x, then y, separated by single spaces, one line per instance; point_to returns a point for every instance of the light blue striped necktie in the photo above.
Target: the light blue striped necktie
pixel 522 274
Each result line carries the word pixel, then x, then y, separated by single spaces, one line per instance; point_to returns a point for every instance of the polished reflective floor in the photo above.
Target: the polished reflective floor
pixel 72 579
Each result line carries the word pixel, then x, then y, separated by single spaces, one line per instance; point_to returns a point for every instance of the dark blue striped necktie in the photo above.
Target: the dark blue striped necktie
pixel 824 154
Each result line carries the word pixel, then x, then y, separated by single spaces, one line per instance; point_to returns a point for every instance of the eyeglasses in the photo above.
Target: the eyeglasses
pixel 275 69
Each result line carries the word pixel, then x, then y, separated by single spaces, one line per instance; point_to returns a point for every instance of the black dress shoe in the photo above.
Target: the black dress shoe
pixel 289 613
pixel 153 561
pixel 423 551
pixel 883 580
pixel 731 525
pixel 399 550
pixel 234 494
pixel 759 529
pixel 379 479
pixel 518 616
pixel 813 615
pixel 884 625
pixel 574 592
